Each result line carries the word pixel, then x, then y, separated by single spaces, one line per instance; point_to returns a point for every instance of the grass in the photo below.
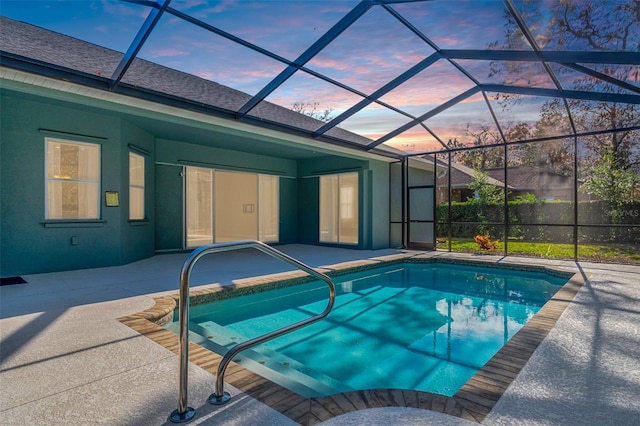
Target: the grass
pixel 596 252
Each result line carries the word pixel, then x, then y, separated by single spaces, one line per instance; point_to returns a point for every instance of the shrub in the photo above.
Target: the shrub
pixel 485 242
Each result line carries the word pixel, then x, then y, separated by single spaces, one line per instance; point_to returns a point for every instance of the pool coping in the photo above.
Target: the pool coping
pixel 473 401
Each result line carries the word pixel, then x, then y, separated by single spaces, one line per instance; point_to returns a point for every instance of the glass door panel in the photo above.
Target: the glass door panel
pixel 348 209
pixel 236 206
pixel 199 206
pixel 268 208
pixel 329 209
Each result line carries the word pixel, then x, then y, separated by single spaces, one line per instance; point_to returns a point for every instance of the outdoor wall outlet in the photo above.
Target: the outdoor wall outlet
pixel 74 241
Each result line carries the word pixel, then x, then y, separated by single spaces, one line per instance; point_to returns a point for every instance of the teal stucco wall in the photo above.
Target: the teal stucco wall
pixel 31 245
pixel 378 206
pixel 137 236
pixel 171 156
pixel 168 207
pixel 374 198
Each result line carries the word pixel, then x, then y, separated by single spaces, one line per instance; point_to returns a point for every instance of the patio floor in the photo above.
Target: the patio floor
pixel 67 360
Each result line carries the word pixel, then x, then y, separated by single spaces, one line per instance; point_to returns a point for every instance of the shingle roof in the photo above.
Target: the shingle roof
pixel 43 45
pixel 532 178
pixel 36 43
pixel 520 177
pixel 462 176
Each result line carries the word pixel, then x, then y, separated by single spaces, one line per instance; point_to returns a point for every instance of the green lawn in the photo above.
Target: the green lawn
pixel 601 252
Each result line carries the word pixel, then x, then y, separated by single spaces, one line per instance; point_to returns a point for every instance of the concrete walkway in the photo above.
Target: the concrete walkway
pixel 66 360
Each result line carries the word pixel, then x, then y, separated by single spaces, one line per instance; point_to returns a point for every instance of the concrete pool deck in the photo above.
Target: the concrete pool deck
pixel 66 359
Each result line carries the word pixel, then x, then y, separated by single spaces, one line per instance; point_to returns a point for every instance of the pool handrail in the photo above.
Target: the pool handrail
pixel 185 413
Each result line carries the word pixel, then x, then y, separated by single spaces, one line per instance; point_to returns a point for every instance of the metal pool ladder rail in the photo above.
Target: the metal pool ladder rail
pixel 185 413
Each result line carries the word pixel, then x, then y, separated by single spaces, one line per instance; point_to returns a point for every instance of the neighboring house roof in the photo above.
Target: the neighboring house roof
pixel 521 178
pixel 461 175
pixel 35 43
pixel 532 178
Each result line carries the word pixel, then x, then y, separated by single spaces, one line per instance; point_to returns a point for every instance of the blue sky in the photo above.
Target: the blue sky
pixel 373 51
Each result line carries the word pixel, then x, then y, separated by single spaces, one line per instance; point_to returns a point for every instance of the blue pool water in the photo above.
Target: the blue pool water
pixel 426 327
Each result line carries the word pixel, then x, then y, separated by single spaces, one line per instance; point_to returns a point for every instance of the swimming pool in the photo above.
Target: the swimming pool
pixel 426 327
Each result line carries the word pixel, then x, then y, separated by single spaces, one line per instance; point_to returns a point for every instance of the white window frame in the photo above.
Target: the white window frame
pixel 137 186
pixel 48 178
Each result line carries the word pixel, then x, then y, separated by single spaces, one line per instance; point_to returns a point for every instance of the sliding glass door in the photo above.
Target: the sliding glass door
pixel 230 206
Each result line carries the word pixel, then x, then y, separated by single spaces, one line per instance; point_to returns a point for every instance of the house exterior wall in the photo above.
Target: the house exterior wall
pixel 137 237
pixel 168 205
pixel 29 244
pixel 373 198
pixel 172 155
pixel 309 172
pixel 379 206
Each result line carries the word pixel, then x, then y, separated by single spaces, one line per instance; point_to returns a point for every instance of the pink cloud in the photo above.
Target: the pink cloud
pixel 259 73
pixel 339 7
pixel 435 85
pixel 188 4
pixel 410 142
pixel 328 63
pixel 169 52
pixel 119 9
pixel 338 100
pixel 237 77
pixel 207 75
pixel 222 7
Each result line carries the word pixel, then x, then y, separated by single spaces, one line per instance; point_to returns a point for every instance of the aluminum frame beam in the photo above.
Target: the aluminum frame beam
pixel 351 17
pixel 422 65
pixel 613 58
pixel 143 33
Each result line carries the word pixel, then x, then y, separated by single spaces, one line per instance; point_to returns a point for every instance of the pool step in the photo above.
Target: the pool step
pixel 269 363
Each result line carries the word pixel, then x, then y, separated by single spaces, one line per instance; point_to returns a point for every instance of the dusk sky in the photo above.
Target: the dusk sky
pixel 370 53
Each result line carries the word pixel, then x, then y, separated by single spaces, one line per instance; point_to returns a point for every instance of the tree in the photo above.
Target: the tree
pixel 610 182
pixel 554 156
pixel 489 200
pixel 485 192
pixel 582 25
pixel 312 109
pixel 485 158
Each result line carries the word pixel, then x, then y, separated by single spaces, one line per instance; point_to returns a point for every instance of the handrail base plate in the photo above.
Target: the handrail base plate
pixel 219 400
pixel 176 417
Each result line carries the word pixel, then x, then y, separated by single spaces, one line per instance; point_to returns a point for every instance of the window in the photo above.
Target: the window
pixel 72 180
pixel 339 208
pixel 136 186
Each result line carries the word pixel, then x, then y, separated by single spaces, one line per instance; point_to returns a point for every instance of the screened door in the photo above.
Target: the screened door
pixel 420 207
pixel 421 220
